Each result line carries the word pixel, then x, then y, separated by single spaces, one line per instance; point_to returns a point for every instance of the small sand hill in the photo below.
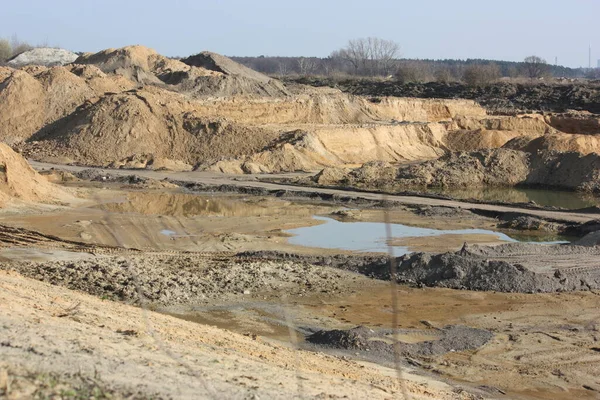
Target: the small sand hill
pixel 562 142
pixel 471 134
pixel 148 128
pixel 243 80
pixel 19 182
pixel 35 97
pixel 223 77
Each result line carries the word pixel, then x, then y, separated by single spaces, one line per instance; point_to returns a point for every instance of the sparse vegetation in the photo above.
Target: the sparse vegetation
pixel 412 72
pixel 481 75
pixel 12 47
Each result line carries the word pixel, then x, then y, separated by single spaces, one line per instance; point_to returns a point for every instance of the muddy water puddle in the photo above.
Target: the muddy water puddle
pixel 523 325
pixel 543 197
pixel 184 205
pixel 372 236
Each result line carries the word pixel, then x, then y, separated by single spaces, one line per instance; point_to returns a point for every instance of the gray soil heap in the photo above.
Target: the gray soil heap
pixel 380 343
pixel 46 56
pixel 515 267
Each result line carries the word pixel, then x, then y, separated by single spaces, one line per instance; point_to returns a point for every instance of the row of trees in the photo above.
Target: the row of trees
pixel 476 73
pixel 379 57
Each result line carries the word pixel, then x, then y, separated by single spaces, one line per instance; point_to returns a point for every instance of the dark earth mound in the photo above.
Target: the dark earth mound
pixel 498 98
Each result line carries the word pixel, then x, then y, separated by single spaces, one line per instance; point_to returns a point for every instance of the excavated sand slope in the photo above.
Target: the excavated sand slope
pixel 18 181
pixel 496 167
pixel 338 145
pixel 133 108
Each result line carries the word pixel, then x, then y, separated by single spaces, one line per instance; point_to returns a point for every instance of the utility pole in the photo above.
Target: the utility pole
pixel 590 58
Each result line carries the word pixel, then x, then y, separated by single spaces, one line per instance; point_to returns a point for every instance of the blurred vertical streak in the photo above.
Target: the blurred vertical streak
pixel 107 221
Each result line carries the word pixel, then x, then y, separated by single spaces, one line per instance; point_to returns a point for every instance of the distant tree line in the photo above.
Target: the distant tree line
pixel 371 57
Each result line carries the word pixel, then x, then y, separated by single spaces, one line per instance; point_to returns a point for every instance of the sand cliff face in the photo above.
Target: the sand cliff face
pixel 134 108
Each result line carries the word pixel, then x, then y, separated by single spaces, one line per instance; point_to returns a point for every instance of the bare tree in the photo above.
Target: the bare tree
pixel 384 55
pixel 306 65
pixel 370 56
pixel 535 67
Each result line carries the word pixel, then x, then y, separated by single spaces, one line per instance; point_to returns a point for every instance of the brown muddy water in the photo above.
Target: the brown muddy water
pixel 318 232
pixel 535 335
pixel 542 197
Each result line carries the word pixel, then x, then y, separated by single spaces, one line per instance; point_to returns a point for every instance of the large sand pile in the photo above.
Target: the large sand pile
pixel 339 145
pixel 43 56
pixel 38 96
pixel 223 78
pixel 562 142
pixel 238 79
pixel 19 182
pixel 146 128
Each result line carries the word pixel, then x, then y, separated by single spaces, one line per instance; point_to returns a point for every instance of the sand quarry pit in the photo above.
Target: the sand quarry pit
pixel 189 228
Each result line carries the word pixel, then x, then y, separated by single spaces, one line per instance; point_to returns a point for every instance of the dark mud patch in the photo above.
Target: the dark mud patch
pixel 523 268
pixel 381 344
pixel 165 280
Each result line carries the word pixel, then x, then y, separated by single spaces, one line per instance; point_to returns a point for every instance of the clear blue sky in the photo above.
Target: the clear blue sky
pixel 503 29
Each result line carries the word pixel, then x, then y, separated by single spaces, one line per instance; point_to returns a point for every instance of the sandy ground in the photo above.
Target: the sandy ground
pixel 50 330
pixel 545 346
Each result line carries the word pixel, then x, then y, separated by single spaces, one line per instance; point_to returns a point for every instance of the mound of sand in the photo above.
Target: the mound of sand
pixel 22 103
pixel 498 167
pixel 561 142
pixel 243 80
pixel 145 66
pixel 471 134
pixel 300 150
pixel 581 122
pixel 37 96
pixel 464 140
pixel 219 63
pixel 146 129
pixel 43 56
pixel 19 182
pixel 565 170
pixel 136 63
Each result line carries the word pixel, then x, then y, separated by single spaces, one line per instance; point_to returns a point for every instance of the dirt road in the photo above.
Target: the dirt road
pixel 253 181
